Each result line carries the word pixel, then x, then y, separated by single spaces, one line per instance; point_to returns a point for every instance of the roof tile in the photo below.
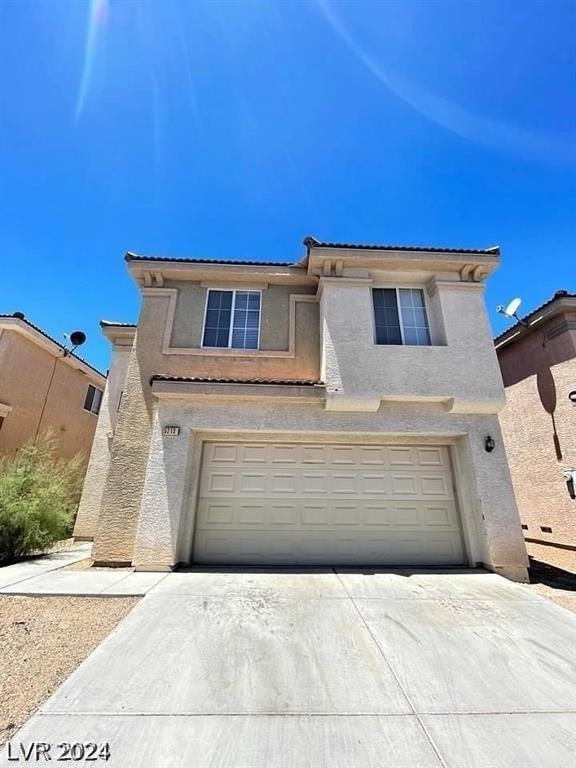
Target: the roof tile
pixel 218 380
pixel 311 242
pixel 133 257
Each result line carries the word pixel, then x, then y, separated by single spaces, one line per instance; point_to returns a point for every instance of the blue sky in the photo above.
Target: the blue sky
pixel 233 129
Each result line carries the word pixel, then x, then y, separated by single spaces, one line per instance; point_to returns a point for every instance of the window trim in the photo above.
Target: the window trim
pixel 396 287
pixel 96 389
pixel 233 291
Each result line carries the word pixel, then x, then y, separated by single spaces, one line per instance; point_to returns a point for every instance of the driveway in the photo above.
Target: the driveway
pixel 326 668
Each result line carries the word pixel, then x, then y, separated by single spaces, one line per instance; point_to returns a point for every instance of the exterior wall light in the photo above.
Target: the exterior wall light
pixel 489 444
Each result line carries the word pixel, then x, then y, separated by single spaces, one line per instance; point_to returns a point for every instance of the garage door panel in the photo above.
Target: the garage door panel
pixel 254 548
pixel 437 515
pixel 378 515
pixel 269 514
pixel 437 485
pixel 431 457
pixel 302 482
pixel 340 504
pixel 220 482
pixel 328 455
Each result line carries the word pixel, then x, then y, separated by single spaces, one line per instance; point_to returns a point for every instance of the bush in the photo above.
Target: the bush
pixel 39 496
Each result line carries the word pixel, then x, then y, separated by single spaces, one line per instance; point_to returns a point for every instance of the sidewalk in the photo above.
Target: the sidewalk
pixel 44 576
pixel 28 569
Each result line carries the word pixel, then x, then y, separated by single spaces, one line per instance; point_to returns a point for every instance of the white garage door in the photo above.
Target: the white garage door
pixel 288 503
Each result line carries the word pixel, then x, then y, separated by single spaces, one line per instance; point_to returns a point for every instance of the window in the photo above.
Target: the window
pixel 93 399
pixel 232 319
pixel 400 316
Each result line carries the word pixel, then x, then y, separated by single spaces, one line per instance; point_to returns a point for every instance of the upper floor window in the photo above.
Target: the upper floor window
pixel 232 319
pixel 400 316
pixel 93 399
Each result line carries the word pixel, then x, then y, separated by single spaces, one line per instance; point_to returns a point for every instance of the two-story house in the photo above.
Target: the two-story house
pixel 337 410
pixel 42 389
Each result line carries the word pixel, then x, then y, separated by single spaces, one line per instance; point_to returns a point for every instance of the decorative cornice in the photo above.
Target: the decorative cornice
pixel 434 285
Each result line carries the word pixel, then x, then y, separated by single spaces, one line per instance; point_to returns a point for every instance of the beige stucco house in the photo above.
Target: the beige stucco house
pixel 43 389
pixel 335 410
pixel 538 363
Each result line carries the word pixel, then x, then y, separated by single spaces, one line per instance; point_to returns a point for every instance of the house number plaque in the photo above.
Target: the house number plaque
pixel 171 431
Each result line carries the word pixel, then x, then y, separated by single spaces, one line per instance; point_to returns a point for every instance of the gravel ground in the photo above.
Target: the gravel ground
pixel 565 559
pixel 557 584
pixel 42 641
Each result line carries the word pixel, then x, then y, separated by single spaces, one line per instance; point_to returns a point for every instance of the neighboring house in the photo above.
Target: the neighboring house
pixel 338 410
pixel 42 389
pixel 538 364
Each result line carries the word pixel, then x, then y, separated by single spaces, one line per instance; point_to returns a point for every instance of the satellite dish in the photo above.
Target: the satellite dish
pixel 77 338
pixel 511 310
pixel 513 307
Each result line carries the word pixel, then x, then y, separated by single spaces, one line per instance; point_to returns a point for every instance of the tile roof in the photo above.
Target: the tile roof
pixel 134 257
pixel 311 242
pixel 22 318
pixel 218 380
pixel 557 296
pixel 106 323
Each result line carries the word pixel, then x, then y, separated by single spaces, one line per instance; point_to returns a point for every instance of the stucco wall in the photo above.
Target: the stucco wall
pixel 275 314
pixel 275 363
pixel 360 373
pixel 99 463
pixel 539 426
pixel 165 529
pixel 25 371
pixel 121 497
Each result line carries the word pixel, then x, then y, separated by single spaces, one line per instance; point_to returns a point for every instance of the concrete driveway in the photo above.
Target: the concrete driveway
pixel 327 668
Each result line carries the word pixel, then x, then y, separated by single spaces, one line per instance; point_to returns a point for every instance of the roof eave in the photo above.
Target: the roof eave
pixel 546 311
pixel 301 393
pixel 42 339
pixel 313 243
pixel 152 272
pixel 118 334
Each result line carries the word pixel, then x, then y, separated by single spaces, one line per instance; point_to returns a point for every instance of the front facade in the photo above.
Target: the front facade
pixel 332 411
pixel 538 363
pixel 42 389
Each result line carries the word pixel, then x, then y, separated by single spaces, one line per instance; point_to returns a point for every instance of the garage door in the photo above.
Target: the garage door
pixel 286 503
